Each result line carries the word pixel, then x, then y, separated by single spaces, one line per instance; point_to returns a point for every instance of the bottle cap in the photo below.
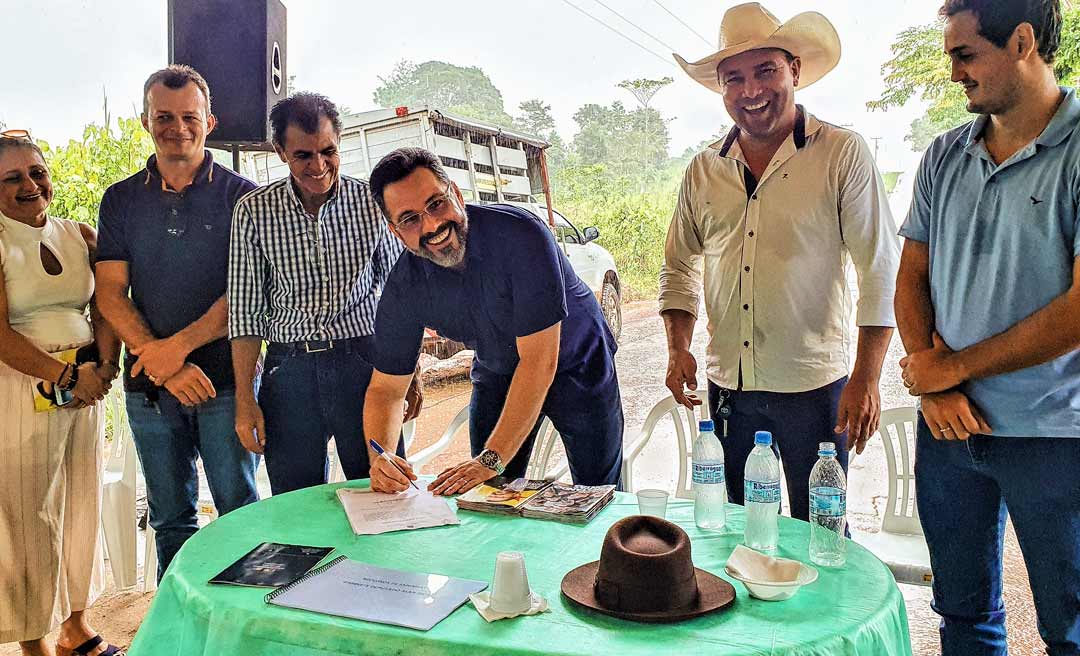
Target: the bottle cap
pixel 763 437
pixel 826 449
pixel 706 426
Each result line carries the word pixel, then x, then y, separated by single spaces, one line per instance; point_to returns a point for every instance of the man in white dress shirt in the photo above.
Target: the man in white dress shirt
pixel 767 221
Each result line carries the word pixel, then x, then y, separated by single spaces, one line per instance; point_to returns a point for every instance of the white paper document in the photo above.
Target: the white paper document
pixel 372 513
pixel 348 588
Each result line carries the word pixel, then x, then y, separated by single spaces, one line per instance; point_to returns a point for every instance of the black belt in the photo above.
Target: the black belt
pixel 348 344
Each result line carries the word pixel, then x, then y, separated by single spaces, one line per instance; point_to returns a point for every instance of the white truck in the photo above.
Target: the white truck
pixel 471 152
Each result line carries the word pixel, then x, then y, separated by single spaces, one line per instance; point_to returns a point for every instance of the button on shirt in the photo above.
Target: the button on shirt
pixel 1002 240
pixel 294 277
pixel 774 253
pixel 516 282
pixel 176 245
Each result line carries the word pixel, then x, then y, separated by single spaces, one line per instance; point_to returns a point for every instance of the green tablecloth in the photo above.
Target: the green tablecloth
pixel 853 610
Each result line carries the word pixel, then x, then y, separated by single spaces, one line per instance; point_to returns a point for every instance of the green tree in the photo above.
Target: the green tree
pixel 461 90
pixel 920 69
pixel 633 143
pixel 535 118
pixel 82 170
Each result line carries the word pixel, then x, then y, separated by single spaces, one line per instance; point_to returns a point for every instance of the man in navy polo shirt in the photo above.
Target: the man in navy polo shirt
pixel 987 303
pixel 493 278
pixel 163 235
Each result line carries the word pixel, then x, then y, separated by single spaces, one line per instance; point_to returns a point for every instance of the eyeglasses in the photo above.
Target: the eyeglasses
pixel 15 134
pixel 437 208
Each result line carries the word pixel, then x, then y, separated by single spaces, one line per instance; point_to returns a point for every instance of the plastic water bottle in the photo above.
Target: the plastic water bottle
pixel 762 494
pixel 828 508
pixel 710 488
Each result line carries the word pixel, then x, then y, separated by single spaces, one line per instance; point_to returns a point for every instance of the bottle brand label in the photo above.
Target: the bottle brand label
pixel 828 502
pixel 708 473
pixel 762 492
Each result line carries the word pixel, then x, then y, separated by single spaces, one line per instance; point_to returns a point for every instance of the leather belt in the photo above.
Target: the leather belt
pixel 317 345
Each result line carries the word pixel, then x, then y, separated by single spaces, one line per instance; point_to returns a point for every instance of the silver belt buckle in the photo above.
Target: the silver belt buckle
pixel 308 349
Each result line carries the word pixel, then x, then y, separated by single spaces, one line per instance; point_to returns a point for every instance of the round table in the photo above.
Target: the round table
pixel 856 609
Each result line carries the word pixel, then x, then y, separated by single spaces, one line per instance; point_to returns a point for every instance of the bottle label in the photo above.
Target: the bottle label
pixel 761 491
pixel 708 473
pixel 828 502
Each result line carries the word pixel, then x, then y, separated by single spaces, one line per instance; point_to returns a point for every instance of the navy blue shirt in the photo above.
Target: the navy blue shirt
pixel 176 245
pixel 516 282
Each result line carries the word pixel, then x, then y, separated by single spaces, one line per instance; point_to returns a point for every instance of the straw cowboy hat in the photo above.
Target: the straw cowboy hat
pixel 809 36
pixel 645 574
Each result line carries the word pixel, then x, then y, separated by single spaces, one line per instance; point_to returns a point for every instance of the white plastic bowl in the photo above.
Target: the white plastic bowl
pixel 772 591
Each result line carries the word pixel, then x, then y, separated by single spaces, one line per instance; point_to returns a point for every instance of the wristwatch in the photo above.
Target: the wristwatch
pixel 491 460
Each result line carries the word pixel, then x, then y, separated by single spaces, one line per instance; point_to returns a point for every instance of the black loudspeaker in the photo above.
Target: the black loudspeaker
pixel 239 47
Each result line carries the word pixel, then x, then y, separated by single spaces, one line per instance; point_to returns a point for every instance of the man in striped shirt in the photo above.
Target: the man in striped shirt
pixel 308 257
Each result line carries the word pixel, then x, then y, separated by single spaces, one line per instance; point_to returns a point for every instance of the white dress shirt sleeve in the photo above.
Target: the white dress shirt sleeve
pixel 680 275
pixel 869 234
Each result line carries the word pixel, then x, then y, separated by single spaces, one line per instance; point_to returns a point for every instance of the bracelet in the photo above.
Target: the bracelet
pixel 63 372
pixel 70 385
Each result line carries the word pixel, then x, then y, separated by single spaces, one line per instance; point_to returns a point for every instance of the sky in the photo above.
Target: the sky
pixel 61 57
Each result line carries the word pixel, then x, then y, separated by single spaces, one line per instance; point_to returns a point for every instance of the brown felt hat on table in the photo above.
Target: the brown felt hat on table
pixel 645 574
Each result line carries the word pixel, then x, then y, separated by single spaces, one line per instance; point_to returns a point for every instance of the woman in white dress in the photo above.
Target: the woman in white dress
pixel 50 459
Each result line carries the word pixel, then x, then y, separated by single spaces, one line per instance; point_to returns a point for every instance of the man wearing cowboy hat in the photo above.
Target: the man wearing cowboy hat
pixel 987 302
pixel 768 219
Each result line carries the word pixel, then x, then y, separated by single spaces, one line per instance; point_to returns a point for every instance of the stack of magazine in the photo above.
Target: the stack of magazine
pixel 561 502
pixel 572 504
pixel 501 495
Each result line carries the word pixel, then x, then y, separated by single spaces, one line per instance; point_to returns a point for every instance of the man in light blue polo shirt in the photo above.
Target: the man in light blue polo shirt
pixel 988 307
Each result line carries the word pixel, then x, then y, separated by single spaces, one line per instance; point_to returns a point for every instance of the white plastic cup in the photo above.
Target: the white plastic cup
pixel 510 588
pixel 652 502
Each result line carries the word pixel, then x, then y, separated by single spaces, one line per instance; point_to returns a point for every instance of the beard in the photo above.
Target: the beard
pixel 448 258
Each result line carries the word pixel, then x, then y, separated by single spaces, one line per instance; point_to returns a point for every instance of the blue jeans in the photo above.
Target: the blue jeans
pixel 587 413
pixel 798 421
pixel 306 398
pixel 963 490
pixel 169 437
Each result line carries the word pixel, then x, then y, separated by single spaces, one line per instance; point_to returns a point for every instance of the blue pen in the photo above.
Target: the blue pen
pixel 379 450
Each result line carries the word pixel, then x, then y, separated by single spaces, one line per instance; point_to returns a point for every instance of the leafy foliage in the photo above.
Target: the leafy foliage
pixel 632 223
pixel 536 119
pixel 82 170
pixel 633 143
pixel 461 90
pixel 920 69
pixel 614 174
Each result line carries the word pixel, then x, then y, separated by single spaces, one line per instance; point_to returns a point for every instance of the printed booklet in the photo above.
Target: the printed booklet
pixel 270 565
pixel 500 495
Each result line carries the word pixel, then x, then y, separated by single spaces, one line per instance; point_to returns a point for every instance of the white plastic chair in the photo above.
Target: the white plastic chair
pixel 900 543
pixel 685 422
pixel 426 455
pixel 537 468
pixel 544 447
pixel 118 498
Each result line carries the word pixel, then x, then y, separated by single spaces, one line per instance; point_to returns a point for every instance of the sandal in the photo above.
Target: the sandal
pixel 88 647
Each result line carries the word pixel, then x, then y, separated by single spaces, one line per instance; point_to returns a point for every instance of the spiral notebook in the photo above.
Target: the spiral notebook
pixel 349 588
